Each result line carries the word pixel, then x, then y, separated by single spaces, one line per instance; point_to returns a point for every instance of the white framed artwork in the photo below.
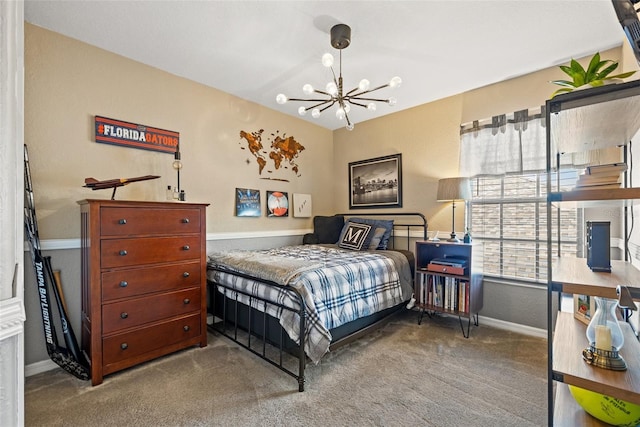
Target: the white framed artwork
pixel 301 205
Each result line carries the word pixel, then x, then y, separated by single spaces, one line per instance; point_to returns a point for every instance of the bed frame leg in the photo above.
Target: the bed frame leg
pixel 302 314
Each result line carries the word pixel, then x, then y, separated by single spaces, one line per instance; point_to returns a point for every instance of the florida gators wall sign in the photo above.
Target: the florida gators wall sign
pixel 117 132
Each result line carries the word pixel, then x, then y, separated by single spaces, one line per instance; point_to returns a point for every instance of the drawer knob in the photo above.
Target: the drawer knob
pixel 124 346
pixel 185 220
pixel 122 252
pixel 186 274
pixel 186 301
pixel 186 328
pixel 123 284
pixel 124 315
pixel 186 247
pixel 122 221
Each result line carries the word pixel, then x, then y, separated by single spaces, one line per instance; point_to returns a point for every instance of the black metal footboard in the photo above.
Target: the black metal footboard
pixel 249 325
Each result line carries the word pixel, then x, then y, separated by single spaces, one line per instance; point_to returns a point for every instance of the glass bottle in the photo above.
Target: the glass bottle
pixel 169 193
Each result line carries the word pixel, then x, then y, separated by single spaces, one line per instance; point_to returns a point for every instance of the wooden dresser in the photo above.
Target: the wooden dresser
pixel 143 281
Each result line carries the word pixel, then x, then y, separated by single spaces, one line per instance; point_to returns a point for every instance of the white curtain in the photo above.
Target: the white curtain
pixel 504 144
pixel 514 143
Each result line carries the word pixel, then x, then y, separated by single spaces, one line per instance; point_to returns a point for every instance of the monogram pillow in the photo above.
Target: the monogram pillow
pixel 386 223
pixel 355 236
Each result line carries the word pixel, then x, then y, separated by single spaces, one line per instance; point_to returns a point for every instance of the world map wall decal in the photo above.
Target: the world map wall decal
pixel 283 152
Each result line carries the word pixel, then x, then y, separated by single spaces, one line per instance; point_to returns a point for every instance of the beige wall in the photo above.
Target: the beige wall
pixel 68 82
pixel 428 138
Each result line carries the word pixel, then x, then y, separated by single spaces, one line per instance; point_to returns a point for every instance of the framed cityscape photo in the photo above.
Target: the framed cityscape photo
pixel 376 183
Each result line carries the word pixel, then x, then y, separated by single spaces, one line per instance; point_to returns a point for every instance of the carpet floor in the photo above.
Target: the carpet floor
pixel 402 374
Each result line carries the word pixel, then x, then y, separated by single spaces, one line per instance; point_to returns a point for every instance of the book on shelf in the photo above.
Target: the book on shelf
pixel 586 180
pixel 447 293
pixel 598 186
pixel 445 269
pixel 451 261
pixel 601 177
pixel 607 169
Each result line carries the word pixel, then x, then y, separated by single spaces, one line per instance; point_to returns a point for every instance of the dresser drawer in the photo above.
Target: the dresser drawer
pixel 133 282
pixel 148 250
pixel 116 221
pixel 139 311
pixel 135 343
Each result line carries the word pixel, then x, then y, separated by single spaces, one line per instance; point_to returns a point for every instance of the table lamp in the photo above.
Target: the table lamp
pixel 452 190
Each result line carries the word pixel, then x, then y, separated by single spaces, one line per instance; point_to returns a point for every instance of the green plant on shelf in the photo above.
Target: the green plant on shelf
pixel 598 72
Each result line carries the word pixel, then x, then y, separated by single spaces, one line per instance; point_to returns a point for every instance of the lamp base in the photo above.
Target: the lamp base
pixel 453 238
pixel 604 358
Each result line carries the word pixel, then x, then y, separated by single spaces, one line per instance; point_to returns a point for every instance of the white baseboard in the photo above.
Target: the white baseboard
pixel 507 326
pixel 38 367
pixel 514 327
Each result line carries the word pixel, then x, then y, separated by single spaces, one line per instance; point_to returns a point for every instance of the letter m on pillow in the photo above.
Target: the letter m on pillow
pixel 354 236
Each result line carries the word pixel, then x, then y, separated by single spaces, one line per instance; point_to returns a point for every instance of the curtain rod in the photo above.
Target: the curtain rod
pixel 520 116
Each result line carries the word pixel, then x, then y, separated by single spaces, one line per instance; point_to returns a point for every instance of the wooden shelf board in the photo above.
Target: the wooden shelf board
pixel 577 278
pixel 621 196
pixel 568 342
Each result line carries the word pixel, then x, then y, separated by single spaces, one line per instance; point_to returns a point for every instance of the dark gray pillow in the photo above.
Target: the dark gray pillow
pixel 328 228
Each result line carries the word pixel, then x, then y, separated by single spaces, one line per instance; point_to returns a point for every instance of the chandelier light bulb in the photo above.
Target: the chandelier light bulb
pixel 340 113
pixel 307 89
pixel 332 88
pixel 281 98
pixel 302 111
pixel 364 84
pixel 391 101
pixel 327 60
pixel 395 82
pixel 371 106
pixel 315 113
pixel 350 126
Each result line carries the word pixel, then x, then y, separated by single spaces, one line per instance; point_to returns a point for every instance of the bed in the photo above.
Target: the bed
pixel 346 278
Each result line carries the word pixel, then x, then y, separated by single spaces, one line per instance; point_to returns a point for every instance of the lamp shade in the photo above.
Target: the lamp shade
pixel 454 189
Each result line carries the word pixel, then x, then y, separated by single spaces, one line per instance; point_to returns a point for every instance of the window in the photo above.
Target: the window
pixel 508 215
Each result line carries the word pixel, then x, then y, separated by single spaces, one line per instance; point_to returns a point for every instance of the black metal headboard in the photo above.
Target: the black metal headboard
pixel 405 224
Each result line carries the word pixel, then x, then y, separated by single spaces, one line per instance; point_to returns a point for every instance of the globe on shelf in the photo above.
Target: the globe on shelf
pixel 608 409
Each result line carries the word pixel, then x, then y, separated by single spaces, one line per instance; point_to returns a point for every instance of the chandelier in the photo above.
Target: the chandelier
pixel 333 93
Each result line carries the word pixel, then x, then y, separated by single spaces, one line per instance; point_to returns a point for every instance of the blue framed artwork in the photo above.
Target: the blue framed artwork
pixel 247 202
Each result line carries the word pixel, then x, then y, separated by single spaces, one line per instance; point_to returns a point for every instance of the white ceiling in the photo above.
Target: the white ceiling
pixel 257 49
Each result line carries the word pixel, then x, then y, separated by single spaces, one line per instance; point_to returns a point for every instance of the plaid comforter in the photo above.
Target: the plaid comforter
pixel 337 285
